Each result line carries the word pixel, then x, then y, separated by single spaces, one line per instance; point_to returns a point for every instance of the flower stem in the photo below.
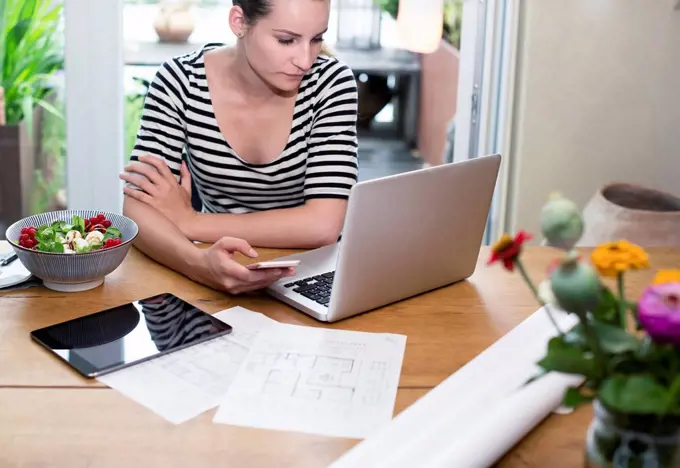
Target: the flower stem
pixel 591 337
pixel 622 301
pixel 527 280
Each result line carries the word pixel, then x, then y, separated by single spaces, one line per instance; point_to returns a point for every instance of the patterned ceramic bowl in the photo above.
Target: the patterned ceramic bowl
pixel 71 272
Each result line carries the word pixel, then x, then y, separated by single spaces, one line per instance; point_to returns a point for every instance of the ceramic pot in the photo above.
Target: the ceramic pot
pixel 631 441
pixel 642 215
pixel 175 21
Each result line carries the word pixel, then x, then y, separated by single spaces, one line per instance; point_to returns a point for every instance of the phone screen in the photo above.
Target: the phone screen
pixel 122 336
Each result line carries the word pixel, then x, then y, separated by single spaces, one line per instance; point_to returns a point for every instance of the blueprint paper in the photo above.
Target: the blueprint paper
pixel 181 385
pixel 317 381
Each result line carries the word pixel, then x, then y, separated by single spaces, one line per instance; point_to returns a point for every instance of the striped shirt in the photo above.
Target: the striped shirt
pixel 318 161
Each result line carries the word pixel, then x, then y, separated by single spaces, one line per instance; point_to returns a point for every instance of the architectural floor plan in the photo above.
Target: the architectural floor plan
pixel 331 382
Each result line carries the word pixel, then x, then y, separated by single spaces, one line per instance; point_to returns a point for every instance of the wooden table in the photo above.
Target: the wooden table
pixel 50 416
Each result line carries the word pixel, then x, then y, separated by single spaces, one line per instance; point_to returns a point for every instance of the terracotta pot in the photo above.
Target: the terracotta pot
pixel 175 21
pixel 642 215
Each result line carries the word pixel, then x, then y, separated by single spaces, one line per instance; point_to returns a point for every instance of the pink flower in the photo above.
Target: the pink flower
pixel 659 312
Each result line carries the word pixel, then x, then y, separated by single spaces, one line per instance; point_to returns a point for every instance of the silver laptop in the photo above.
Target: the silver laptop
pixel 403 235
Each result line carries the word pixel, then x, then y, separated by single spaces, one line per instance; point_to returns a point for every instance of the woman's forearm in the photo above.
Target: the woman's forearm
pixel 161 240
pixel 304 227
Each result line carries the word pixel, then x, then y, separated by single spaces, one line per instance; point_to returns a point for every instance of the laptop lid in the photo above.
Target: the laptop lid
pixel 412 232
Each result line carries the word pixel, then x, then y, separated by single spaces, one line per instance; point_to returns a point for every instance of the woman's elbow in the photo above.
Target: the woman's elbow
pixel 327 237
pixel 327 233
pixel 327 221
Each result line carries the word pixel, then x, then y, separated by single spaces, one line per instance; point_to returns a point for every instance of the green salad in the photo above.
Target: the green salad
pixel 78 235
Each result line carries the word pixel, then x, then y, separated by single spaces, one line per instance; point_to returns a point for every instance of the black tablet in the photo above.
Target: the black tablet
pixel 119 337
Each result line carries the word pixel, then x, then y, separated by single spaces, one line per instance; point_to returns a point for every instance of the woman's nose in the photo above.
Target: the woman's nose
pixel 304 59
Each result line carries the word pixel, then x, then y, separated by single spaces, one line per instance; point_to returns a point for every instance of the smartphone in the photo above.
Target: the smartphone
pixel 122 336
pixel 274 264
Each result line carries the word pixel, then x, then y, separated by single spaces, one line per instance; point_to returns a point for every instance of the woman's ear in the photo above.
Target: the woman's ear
pixel 237 21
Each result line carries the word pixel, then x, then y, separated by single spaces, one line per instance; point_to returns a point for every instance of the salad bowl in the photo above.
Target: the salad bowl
pixel 72 250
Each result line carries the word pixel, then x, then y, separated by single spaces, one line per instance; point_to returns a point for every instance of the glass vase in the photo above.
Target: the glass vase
pixel 617 440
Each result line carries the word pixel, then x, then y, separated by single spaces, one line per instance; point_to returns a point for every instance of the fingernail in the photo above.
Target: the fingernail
pixel 252 252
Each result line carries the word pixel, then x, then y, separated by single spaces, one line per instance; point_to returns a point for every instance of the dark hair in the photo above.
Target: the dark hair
pixel 253 10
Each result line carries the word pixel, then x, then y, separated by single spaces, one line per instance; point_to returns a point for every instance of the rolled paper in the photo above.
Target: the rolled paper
pixel 477 414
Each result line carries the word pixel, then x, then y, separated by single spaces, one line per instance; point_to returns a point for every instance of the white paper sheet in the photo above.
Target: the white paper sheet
pixel 477 414
pixel 186 383
pixel 319 381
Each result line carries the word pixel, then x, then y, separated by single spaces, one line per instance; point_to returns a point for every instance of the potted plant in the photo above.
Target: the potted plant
pixel 29 56
pixel 627 350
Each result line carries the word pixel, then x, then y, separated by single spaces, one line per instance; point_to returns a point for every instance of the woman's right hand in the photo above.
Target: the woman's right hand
pixel 219 270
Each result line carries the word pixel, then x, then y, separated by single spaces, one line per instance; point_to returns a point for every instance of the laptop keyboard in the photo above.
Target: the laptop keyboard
pixel 317 288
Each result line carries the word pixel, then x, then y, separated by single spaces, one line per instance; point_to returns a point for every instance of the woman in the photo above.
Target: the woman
pixel 268 133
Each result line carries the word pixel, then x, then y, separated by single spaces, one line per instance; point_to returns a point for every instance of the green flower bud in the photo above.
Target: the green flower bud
pixel 576 285
pixel 561 222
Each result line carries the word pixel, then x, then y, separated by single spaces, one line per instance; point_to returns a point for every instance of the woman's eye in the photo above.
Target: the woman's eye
pixel 286 41
pixel 317 39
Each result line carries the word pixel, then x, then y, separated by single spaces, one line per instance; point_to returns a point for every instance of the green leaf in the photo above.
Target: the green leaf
pixel 45 234
pixel 575 337
pixel 30 51
pixel 674 394
pixel 640 394
pixel 607 309
pixel 50 108
pixel 78 224
pixel 112 233
pixel 569 361
pixel 574 397
pixel 51 246
pixel 612 339
pixel 615 340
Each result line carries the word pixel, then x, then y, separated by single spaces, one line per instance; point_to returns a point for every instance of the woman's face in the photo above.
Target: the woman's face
pixel 282 46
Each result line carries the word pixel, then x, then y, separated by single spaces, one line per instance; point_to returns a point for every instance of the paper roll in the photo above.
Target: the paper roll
pixel 502 426
pixel 478 413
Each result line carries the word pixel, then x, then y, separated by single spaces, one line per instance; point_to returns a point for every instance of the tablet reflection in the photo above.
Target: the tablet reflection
pixel 172 322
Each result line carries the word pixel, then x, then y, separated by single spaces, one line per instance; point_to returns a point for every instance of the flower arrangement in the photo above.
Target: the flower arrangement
pixel 627 350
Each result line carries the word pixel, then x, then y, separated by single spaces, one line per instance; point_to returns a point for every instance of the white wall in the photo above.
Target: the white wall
pixel 597 100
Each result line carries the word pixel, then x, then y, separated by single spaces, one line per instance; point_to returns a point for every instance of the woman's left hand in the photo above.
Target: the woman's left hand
pixel 159 188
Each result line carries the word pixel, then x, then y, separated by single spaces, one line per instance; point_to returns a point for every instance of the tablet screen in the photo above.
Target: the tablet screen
pixel 121 336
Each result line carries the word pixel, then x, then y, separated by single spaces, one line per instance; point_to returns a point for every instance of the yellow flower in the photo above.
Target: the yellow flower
pixel 614 258
pixel 667 276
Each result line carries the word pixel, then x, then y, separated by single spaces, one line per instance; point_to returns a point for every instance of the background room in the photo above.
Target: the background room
pixel 407 99
pixel 572 101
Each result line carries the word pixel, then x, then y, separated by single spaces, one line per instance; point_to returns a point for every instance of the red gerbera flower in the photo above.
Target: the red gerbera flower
pixel 508 249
